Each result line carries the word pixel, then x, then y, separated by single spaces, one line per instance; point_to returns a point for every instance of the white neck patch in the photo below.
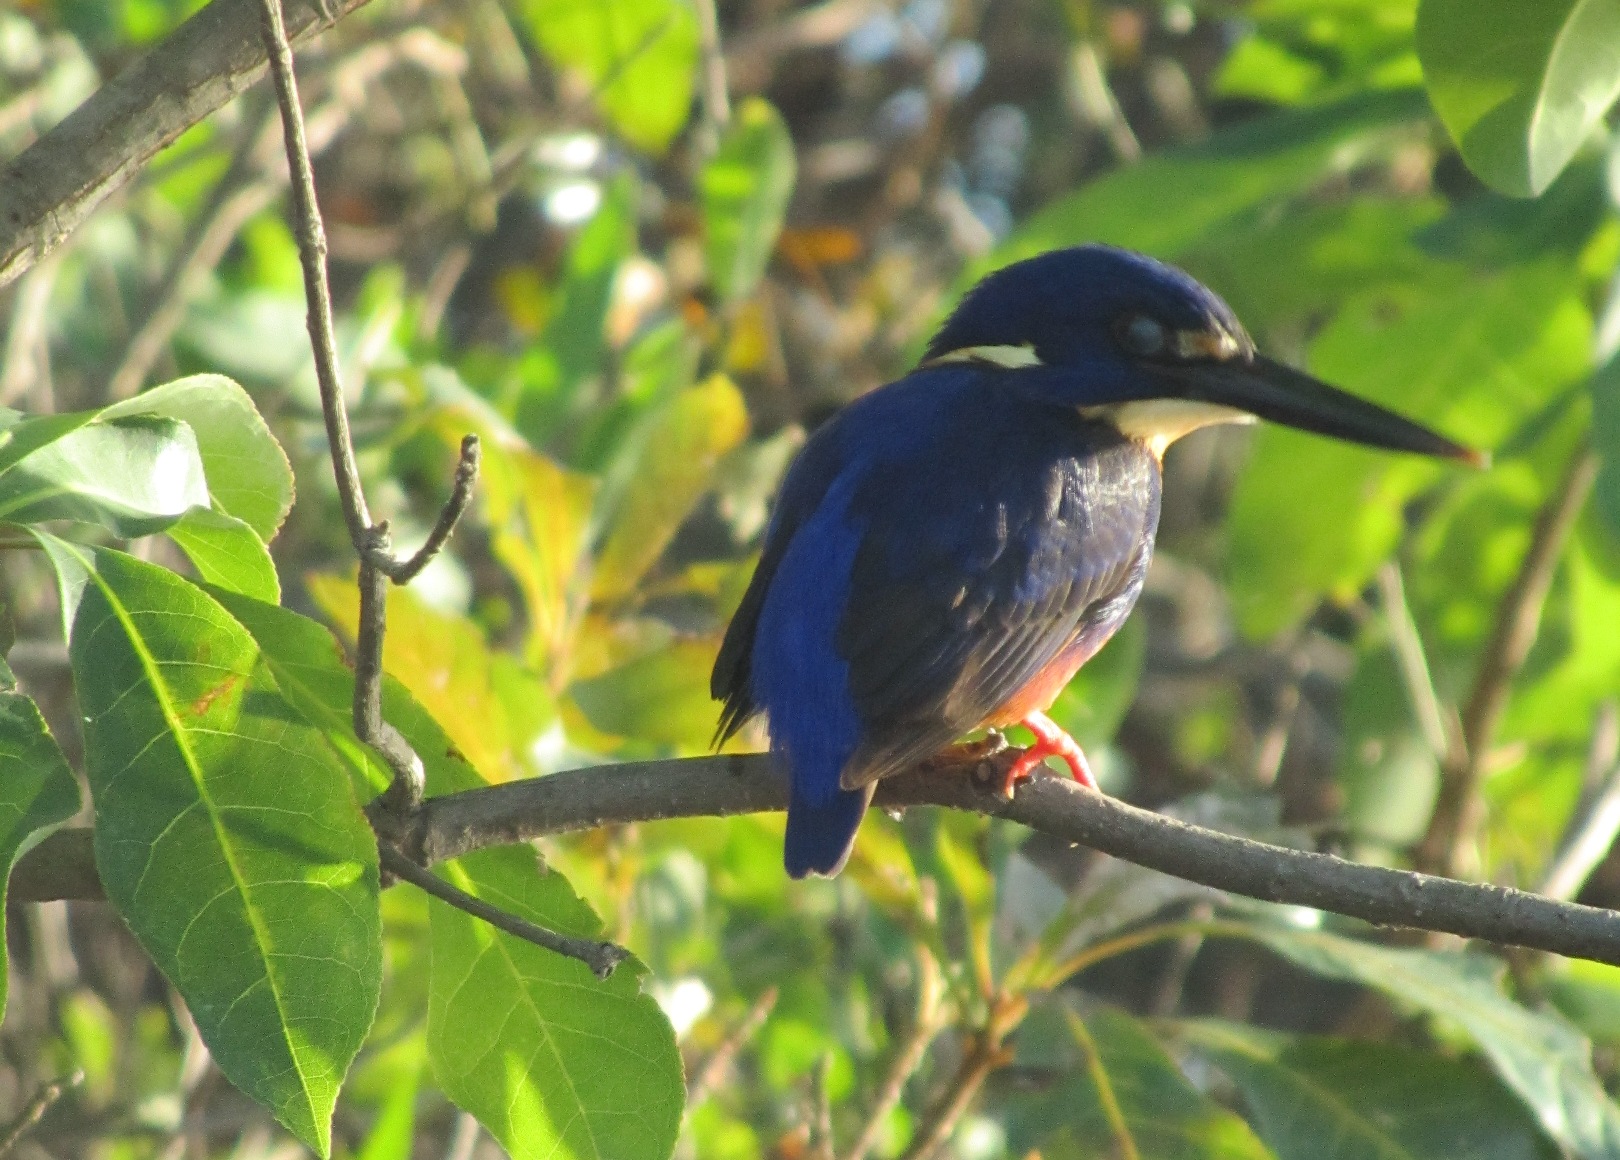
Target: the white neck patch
pixel 1006 357
pixel 1160 422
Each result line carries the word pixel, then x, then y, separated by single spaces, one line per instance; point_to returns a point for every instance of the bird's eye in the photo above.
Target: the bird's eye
pixel 1142 336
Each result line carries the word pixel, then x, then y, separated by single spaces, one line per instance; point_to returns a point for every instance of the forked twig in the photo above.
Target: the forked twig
pixel 378 564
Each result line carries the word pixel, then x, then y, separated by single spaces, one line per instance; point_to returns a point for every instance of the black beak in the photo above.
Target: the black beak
pixel 1270 390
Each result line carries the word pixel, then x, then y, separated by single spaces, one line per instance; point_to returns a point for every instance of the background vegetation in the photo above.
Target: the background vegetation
pixel 641 247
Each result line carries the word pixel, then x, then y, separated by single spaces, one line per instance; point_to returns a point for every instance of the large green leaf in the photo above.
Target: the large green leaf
pixel 638 56
pixel 745 188
pixel 37 790
pixel 228 837
pixel 1520 85
pixel 1546 1062
pixel 1119 1094
pixel 1338 1099
pixel 601 1050
pixel 248 473
pixel 553 1062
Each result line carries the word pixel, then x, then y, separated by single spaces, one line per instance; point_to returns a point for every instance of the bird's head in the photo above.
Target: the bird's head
pixel 1149 349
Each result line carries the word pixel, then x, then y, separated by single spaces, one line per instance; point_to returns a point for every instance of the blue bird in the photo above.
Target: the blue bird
pixel 949 549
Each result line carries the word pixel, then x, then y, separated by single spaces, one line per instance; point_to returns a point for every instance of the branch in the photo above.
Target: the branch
pixel 42 1102
pixel 1460 808
pixel 48 189
pixel 731 784
pixel 735 784
pixel 714 1069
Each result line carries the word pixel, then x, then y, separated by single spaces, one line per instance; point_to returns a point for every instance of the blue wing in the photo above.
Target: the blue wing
pixel 936 548
pixel 1016 545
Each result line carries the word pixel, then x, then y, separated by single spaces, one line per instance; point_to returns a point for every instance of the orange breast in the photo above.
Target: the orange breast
pixel 1037 696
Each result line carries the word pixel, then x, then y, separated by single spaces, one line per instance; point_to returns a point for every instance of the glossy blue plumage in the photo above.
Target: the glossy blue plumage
pixel 948 549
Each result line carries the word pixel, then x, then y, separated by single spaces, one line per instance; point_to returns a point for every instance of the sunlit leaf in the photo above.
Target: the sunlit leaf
pixel 447 665
pixel 1195 190
pixel 677 466
pixel 228 838
pixel 1471 356
pixel 661 697
pixel 227 552
pixel 131 476
pixel 745 188
pixel 552 1061
pixel 38 791
pixel 248 473
pixel 1520 86
pixel 637 56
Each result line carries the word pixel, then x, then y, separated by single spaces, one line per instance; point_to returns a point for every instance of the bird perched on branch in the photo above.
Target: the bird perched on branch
pixel 949 549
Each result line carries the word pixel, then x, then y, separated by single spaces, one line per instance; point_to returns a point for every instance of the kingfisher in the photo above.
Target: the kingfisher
pixel 949 549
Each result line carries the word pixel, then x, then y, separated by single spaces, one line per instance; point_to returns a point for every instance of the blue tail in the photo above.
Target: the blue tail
pixel 821 835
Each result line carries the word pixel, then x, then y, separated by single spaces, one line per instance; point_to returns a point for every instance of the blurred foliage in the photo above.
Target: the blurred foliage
pixel 640 270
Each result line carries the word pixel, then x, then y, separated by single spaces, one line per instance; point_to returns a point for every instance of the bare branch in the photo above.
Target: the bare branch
pixel 42 1102
pixel 731 784
pixel 986 1051
pixel 404 571
pixel 312 251
pixel 1460 809
pixel 600 957
pixel 47 190
pixel 714 1069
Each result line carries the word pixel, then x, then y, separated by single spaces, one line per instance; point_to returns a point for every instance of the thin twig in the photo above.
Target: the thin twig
pixel 930 994
pixel 821 1137
pixel 1460 808
pixel 317 291
pixel 600 957
pixel 42 1102
pixel 1596 820
pixel 986 1052
pixel 404 571
pixel 714 1069
pixel 716 92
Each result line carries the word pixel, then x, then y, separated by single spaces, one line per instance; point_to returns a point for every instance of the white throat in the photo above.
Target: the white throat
pixel 1157 423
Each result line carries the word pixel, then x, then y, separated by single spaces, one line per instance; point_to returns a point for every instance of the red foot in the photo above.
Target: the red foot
pixel 1050 741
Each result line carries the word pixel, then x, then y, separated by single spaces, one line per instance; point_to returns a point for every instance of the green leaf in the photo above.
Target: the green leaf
pixel 227 552
pixel 227 837
pixel 1196 191
pixel 639 58
pixel 1120 1094
pixel 1473 356
pixel 447 665
pixel 661 697
pixel 1520 86
pixel 745 189
pixel 554 1063
pixel 131 476
pixel 38 791
pixel 247 471
pixel 1338 1099
pixel 677 465
pixel 1546 1062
